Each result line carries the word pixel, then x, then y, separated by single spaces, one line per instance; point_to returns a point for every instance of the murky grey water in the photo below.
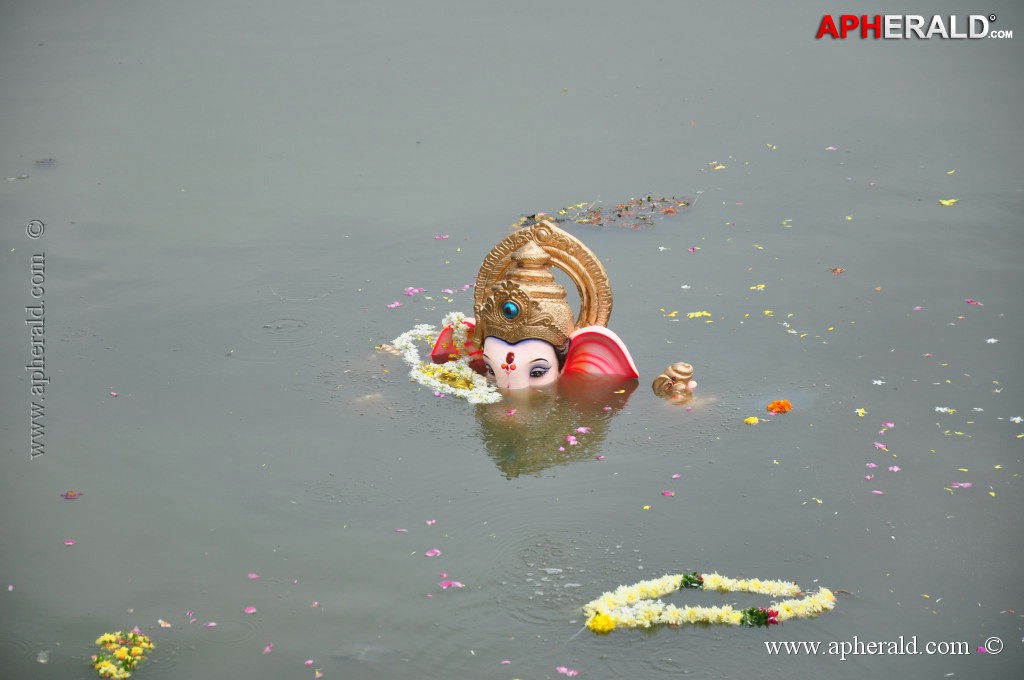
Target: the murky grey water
pixel 233 194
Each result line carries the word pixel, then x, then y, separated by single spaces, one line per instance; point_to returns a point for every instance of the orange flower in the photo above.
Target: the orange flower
pixel 780 406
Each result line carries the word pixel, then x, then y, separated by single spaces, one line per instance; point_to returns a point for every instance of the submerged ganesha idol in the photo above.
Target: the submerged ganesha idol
pixel 524 333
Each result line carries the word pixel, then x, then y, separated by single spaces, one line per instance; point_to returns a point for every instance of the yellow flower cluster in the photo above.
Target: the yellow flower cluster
pixel 452 377
pixel 639 606
pixel 121 654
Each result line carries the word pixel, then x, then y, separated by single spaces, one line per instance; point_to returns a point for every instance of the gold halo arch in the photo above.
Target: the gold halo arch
pixel 567 253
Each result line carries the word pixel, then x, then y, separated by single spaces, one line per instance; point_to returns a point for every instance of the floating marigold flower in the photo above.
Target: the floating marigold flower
pixel 601 623
pixel 780 406
pixel 752 420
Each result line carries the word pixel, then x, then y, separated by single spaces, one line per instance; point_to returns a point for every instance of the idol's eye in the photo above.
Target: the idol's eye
pixel 487 367
pixel 538 371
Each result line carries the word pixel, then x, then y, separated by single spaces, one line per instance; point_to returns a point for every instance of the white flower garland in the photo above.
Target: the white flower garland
pixel 452 377
pixel 632 606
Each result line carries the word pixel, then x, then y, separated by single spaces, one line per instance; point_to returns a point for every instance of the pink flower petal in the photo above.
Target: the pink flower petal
pixel 445 585
pixel 877 492
pixel 676 476
pixel 894 468
pixel 583 430
pixel 250 610
pixel 888 423
pixel 253 576
pixel 505 662
pixel 433 552
pixel 269 648
pixel 872 465
pixel 869 477
pixel 394 305
pixel 600 457
pixel 210 624
pixel 113 394
pixel 402 531
pixel 431 522
pixel 668 493
pixel 880 445
pixel 69 541
pixel 440 237
pixel 511 412
pixel 308 662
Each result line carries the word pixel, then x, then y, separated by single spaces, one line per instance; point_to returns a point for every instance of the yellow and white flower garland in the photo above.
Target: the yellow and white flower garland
pixel 638 606
pixel 452 377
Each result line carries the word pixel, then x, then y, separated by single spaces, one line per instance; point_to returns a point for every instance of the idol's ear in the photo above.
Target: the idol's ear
pixel 445 349
pixel 597 350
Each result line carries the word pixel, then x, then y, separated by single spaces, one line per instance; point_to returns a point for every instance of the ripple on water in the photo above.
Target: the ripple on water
pixel 263 327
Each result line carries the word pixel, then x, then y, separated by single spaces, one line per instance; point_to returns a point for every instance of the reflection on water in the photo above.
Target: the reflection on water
pixel 531 430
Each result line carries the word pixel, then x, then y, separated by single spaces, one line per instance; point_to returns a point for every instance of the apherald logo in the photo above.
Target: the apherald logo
pixel 905 26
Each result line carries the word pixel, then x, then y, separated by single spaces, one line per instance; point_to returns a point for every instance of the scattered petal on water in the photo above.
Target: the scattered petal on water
pixel 269 648
pixel 600 457
pixel 445 585
pixel 163 624
pixel 441 237
pixel 894 468
pixel 877 492
pixel 252 576
pixel 69 541
pixel 250 610
pixel 668 493
pixel 971 301
pixel 433 552
pixel 880 445
pixel 583 430
pixel 869 477
pixel 888 423
pixel 394 304
pixel 308 662
pixel 947 202
pixel 71 495
pixel 676 476
pixel 431 522
pixel 210 624
pixel 402 531
pixel 506 662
